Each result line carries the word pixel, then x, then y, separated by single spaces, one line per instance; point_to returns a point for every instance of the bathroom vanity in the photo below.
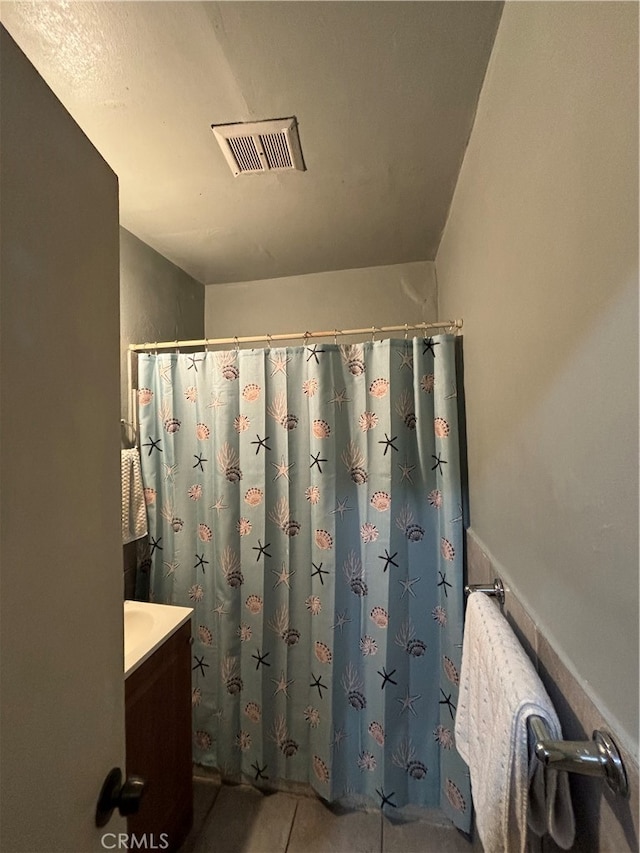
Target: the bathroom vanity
pixel 158 719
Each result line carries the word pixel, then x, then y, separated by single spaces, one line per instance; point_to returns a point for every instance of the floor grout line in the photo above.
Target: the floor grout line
pixel 295 812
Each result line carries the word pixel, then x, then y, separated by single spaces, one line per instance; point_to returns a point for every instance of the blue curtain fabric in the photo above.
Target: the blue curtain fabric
pixel 307 503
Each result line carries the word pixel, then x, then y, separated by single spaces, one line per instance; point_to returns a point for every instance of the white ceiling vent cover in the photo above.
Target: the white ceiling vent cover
pixel 261 146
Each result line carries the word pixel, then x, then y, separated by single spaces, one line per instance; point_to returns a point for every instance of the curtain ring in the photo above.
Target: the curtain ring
pixel 373 331
pixel 335 337
pixel 155 344
pixel 406 331
pixel 305 338
pixel 206 344
pixel 269 340
pixel 236 344
pixel 177 348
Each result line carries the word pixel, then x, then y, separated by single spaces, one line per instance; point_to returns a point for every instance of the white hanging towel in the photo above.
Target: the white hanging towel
pixel 499 690
pixel 134 511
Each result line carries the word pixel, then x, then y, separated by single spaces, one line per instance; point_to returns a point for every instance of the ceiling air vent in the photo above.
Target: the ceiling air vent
pixel 260 146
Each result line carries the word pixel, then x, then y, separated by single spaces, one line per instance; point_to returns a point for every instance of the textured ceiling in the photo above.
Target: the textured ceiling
pixel 384 93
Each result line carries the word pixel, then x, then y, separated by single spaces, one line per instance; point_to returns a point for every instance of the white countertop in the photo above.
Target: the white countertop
pixel 146 627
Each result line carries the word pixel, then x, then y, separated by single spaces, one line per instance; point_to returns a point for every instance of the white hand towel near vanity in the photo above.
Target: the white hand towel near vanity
pixel 134 510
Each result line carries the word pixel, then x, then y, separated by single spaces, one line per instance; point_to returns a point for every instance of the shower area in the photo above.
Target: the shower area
pixel 306 500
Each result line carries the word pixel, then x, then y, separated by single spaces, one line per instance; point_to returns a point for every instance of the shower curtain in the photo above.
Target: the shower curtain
pixel 306 502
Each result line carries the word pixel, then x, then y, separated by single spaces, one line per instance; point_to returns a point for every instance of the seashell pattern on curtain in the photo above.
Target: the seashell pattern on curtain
pixel 306 502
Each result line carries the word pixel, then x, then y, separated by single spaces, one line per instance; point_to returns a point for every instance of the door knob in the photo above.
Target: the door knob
pixel 116 794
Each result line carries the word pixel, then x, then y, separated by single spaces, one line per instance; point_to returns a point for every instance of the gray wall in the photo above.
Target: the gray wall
pixel 343 299
pixel 61 620
pixel 158 301
pixel 540 256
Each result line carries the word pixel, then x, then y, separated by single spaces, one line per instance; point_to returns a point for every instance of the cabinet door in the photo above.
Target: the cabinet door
pixel 158 734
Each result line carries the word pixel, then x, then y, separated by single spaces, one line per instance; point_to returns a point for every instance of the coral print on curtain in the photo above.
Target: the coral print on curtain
pixel 306 502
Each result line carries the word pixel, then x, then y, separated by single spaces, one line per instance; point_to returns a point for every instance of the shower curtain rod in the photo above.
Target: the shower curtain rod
pixel 268 339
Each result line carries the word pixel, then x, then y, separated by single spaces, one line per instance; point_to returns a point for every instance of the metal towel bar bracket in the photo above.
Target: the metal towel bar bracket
pixel 495 591
pixel 597 757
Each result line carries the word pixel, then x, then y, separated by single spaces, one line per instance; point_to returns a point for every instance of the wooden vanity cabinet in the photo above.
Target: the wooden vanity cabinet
pixel 158 738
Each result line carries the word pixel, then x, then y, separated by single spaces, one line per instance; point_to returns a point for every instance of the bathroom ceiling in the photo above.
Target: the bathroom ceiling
pixel 384 93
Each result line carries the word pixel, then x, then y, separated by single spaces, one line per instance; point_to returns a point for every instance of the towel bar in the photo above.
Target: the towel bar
pixel 134 431
pixel 495 591
pixel 597 757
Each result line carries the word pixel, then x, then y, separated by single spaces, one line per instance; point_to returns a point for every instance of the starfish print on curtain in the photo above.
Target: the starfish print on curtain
pixel 312 520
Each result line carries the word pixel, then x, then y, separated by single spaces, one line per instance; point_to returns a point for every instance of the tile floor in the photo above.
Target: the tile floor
pixel 240 819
